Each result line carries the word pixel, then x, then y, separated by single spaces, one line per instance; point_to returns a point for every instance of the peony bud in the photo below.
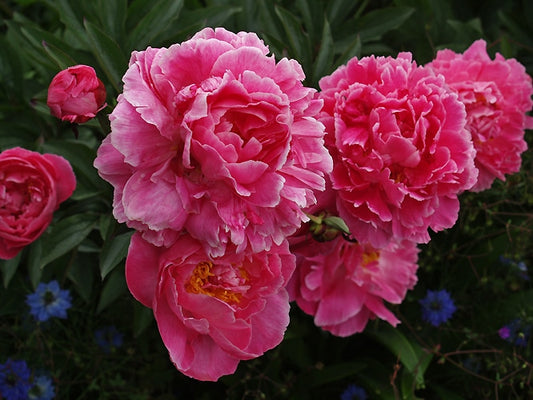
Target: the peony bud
pixel 76 94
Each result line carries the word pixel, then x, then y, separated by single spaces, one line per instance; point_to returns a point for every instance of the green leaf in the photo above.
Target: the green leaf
pixel 112 15
pixel 159 17
pixel 142 318
pixel 64 235
pixel 296 38
pixel 81 157
pixel 70 19
pixel 412 356
pixel 34 263
pixel 348 51
pixel 114 287
pixel 8 268
pixel 337 223
pixel 108 53
pixel 81 273
pixel 373 25
pixel 113 252
pixel 324 59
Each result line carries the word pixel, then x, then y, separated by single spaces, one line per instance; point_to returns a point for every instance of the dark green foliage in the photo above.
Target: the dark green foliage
pixel 84 248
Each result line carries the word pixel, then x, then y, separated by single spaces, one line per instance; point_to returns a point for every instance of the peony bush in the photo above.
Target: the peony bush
pixel 268 200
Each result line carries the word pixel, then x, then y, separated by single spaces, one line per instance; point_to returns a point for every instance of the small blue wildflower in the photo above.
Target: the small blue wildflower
pixel 14 380
pixel 516 332
pixel 49 301
pixel 437 307
pixel 108 338
pixel 42 388
pixel 353 392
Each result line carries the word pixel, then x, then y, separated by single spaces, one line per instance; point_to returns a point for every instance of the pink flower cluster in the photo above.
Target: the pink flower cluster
pixel 218 154
pixel 497 95
pixel 215 150
pixel 406 140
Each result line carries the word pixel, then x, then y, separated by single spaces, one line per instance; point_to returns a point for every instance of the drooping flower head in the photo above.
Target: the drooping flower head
pixel 76 94
pixel 400 151
pixel 437 307
pixel 214 137
pixel 212 312
pixel 48 301
pixel 14 380
pixel 497 95
pixel 42 388
pixel 344 284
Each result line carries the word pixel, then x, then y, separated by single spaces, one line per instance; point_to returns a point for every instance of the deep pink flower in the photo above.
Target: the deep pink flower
pixel 400 151
pixel 344 284
pixel 212 312
pixel 76 94
pixel 497 95
pixel 32 185
pixel 214 137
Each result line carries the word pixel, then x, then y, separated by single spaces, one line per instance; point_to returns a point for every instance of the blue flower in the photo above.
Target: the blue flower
pixel 14 380
pixel 353 392
pixel 108 338
pixel 42 389
pixel 516 332
pixel 437 307
pixel 49 301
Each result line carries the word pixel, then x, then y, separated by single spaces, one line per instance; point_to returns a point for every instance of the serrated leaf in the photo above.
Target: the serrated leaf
pixel 108 53
pixel 9 268
pixel 114 287
pixel 113 252
pixel 64 235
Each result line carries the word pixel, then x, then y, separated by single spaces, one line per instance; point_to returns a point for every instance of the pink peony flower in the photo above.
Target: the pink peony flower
pixel 343 284
pixel 32 185
pixel 212 312
pixel 400 152
pixel 497 95
pixel 76 94
pixel 214 137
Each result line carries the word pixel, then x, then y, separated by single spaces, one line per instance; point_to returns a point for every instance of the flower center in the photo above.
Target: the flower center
pixel 370 257
pixel 48 298
pixel 223 282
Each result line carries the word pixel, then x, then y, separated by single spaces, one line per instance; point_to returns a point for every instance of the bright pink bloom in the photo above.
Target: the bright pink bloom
pixel 214 137
pixel 76 94
pixel 32 185
pixel 400 151
pixel 212 312
pixel 497 95
pixel 343 284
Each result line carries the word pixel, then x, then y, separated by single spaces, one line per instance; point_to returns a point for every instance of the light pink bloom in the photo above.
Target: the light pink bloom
pixel 76 94
pixel 212 312
pixel 344 284
pixel 400 151
pixel 497 95
pixel 32 185
pixel 214 137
